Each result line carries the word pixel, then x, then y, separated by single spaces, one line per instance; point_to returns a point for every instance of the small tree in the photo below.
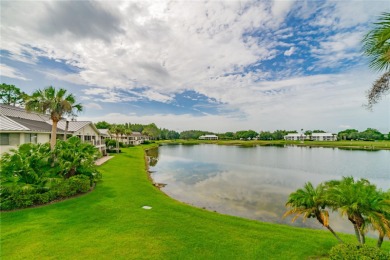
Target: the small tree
pixel 309 202
pixel 11 95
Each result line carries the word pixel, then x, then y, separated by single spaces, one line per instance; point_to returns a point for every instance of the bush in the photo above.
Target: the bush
pixel 357 252
pixel 15 197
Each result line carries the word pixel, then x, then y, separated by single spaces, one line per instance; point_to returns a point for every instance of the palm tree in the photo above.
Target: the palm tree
pixel 55 103
pixel 376 221
pixel 376 45
pixel 309 203
pixel 117 130
pixel 361 202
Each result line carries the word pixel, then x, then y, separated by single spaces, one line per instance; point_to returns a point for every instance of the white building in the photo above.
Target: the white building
pixel 295 137
pixel 208 137
pixel 323 137
pixel 313 137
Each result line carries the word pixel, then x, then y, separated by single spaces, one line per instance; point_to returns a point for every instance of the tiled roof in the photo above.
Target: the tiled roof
pixel 136 134
pixel 73 125
pixel 104 132
pixel 8 110
pixel 7 124
pixel 33 125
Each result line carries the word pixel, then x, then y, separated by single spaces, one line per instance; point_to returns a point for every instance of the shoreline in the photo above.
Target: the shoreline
pixel 349 145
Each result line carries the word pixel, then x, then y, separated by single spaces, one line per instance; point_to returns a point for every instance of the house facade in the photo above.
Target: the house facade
pixel 135 138
pixel 295 137
pixel 17 126
pixel 312 137
pixel 208 137
pixel 323 137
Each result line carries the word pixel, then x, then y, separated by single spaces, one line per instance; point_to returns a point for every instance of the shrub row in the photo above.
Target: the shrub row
pixel 357 252
pixel 15 197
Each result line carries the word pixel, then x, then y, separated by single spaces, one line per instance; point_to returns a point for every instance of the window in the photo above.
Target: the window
pixel 4 139
pixel 9 139
pixel 30 138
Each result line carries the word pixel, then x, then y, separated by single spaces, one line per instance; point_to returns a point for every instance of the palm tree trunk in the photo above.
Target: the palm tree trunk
pixel 334 233
pixel 357 233
pixel 117 144
pixel 380 240
pixel 53 138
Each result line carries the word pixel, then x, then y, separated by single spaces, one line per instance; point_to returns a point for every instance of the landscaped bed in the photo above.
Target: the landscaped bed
pixel 111 223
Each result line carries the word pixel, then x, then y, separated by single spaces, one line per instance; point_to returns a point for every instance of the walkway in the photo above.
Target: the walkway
pixel 102 160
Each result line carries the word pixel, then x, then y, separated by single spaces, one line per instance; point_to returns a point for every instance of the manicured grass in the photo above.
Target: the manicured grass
pixel 363 145
pixel 109 223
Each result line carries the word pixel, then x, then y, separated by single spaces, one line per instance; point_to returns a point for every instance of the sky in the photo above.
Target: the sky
pixel 209 65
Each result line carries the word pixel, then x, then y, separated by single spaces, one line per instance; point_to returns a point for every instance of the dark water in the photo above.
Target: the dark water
pixel 255 182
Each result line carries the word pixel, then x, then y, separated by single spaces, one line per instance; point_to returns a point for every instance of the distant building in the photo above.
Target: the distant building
pixel 323 137
pixel 135 138
pixel 313 137
pixel 295 137
pixel 208 137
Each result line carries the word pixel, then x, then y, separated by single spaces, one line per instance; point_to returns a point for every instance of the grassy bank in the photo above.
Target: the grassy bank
pixel 361 145
pixel 109 223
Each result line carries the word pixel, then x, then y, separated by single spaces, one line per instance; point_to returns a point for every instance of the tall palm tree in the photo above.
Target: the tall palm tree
pixel 361 202
pixel 118 130
pixel 309 203
pixel 376 45
pixel 54 102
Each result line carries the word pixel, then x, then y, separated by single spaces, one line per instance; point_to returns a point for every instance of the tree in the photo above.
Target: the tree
pixel 152 131
pixel 55 103
pixel 309 203
pixel 102 125
pixel 349 134
pixel 376 45
pixel 11 95
pixel 117 130
pixel 361 202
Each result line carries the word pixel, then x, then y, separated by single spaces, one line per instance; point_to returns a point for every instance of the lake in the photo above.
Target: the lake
pixel 254 182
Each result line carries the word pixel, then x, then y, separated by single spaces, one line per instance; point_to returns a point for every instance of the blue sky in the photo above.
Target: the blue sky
pixel 211 65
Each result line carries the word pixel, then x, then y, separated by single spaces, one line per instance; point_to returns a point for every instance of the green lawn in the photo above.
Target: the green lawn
pixel 109 223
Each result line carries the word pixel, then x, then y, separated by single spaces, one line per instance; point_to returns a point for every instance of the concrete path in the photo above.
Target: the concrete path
pixel 102 160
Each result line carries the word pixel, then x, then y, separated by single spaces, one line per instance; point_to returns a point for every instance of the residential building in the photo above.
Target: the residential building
pixel 313 137
pixel 135 138
pixel 17 126
pixel 323 137
pixel 208 137
pixel 295 137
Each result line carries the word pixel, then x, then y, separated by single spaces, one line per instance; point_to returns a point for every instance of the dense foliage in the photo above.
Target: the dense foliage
pixel 33 174
pixel 357 252
pixel 365 206
pixel 367 135
pixel 11 95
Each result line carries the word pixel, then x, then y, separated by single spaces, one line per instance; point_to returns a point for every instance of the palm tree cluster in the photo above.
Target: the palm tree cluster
pixel 365 206
pixel 119 130
pixel 376 45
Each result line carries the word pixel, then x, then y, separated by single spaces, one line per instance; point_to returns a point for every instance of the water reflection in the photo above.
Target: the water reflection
pixel 255 182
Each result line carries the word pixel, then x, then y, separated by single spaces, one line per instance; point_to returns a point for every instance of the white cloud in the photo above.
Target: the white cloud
pixel 93 106
pixel 155 49
pixel 290 51
pixel 7 71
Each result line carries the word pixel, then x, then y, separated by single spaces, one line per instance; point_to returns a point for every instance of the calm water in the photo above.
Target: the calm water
pixel 255 182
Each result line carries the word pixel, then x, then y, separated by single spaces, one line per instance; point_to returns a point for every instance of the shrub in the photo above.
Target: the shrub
pixel 14 197
pixel 357 252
